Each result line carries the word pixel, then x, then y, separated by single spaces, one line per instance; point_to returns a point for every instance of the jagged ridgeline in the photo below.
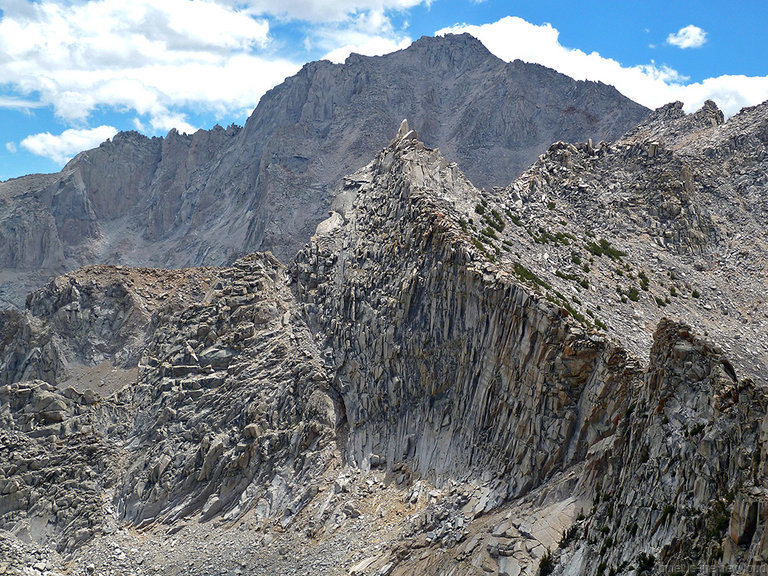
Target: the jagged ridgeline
pixel 442 381
pixel 213 196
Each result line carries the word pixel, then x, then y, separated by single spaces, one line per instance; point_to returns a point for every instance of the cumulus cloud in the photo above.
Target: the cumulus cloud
pixel 370 33
pixel 11 147
pixel 688 37
pixel 162 59
pixel 150 57
pixel 367 46
pixel 61 147
pixel 649 84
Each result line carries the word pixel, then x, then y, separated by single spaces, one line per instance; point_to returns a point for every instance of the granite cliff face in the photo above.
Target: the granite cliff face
pixel 444 380
pixel 210 197
pixel 433 337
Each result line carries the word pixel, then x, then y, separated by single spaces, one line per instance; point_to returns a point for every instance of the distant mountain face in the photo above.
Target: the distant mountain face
pixel 210 197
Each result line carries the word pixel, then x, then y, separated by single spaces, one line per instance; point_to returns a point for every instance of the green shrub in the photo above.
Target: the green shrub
pixel 605 248
pixel 568 536
pixel 490 233
pixel 524 274
pixel 546 566
pixel 645 562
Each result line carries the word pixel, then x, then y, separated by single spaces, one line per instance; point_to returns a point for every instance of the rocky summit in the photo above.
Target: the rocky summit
pixel 210 197
pixel 566 375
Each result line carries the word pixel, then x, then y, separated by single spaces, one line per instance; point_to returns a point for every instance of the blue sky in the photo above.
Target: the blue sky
pixel 72 72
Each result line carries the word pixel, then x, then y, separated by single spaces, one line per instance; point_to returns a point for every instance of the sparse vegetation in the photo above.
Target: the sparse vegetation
pixel 543 236
pixel 718 520
pixel 490 233
pixel 526 275
pixel 568 536
pixel 669 509
pixel 546 565
pixel 604 248
pixel 565 276
pixel 645 562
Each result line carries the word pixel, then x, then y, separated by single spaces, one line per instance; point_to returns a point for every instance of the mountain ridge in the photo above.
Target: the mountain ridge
pixel 210 197
pixel 417 393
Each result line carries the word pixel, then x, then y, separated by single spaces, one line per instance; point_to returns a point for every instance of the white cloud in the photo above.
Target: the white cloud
pixel 62 147
pixel 161 59
pixel 11 147
pixel 688 37
pixel 150 57
pixel 649 84
pixel 164 123
pixel 325 10
pixel 370 34
pixel 375 46
pixel 18 103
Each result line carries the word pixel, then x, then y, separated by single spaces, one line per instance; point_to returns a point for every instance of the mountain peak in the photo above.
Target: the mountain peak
pixel 671 124
pixel 215 195
pixel 458 50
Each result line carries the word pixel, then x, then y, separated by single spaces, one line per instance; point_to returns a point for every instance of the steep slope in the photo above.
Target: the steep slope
pixel 222 403
pixel 210 197
pixel 450 369
pixel 669 220
pixel 433 336
pixel 420 392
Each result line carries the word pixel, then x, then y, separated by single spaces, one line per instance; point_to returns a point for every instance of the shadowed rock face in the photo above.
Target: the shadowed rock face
pixel 210 197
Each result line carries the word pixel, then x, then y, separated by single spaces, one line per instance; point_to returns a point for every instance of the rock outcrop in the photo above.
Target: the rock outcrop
pixel 223 404
pixel 440 332
pixel 444 381
pixel 210 197
pixel 233 408
pixel 434 336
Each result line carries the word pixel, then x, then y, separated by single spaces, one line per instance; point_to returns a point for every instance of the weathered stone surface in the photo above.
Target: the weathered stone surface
pixel 425 390
pixel 442 359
